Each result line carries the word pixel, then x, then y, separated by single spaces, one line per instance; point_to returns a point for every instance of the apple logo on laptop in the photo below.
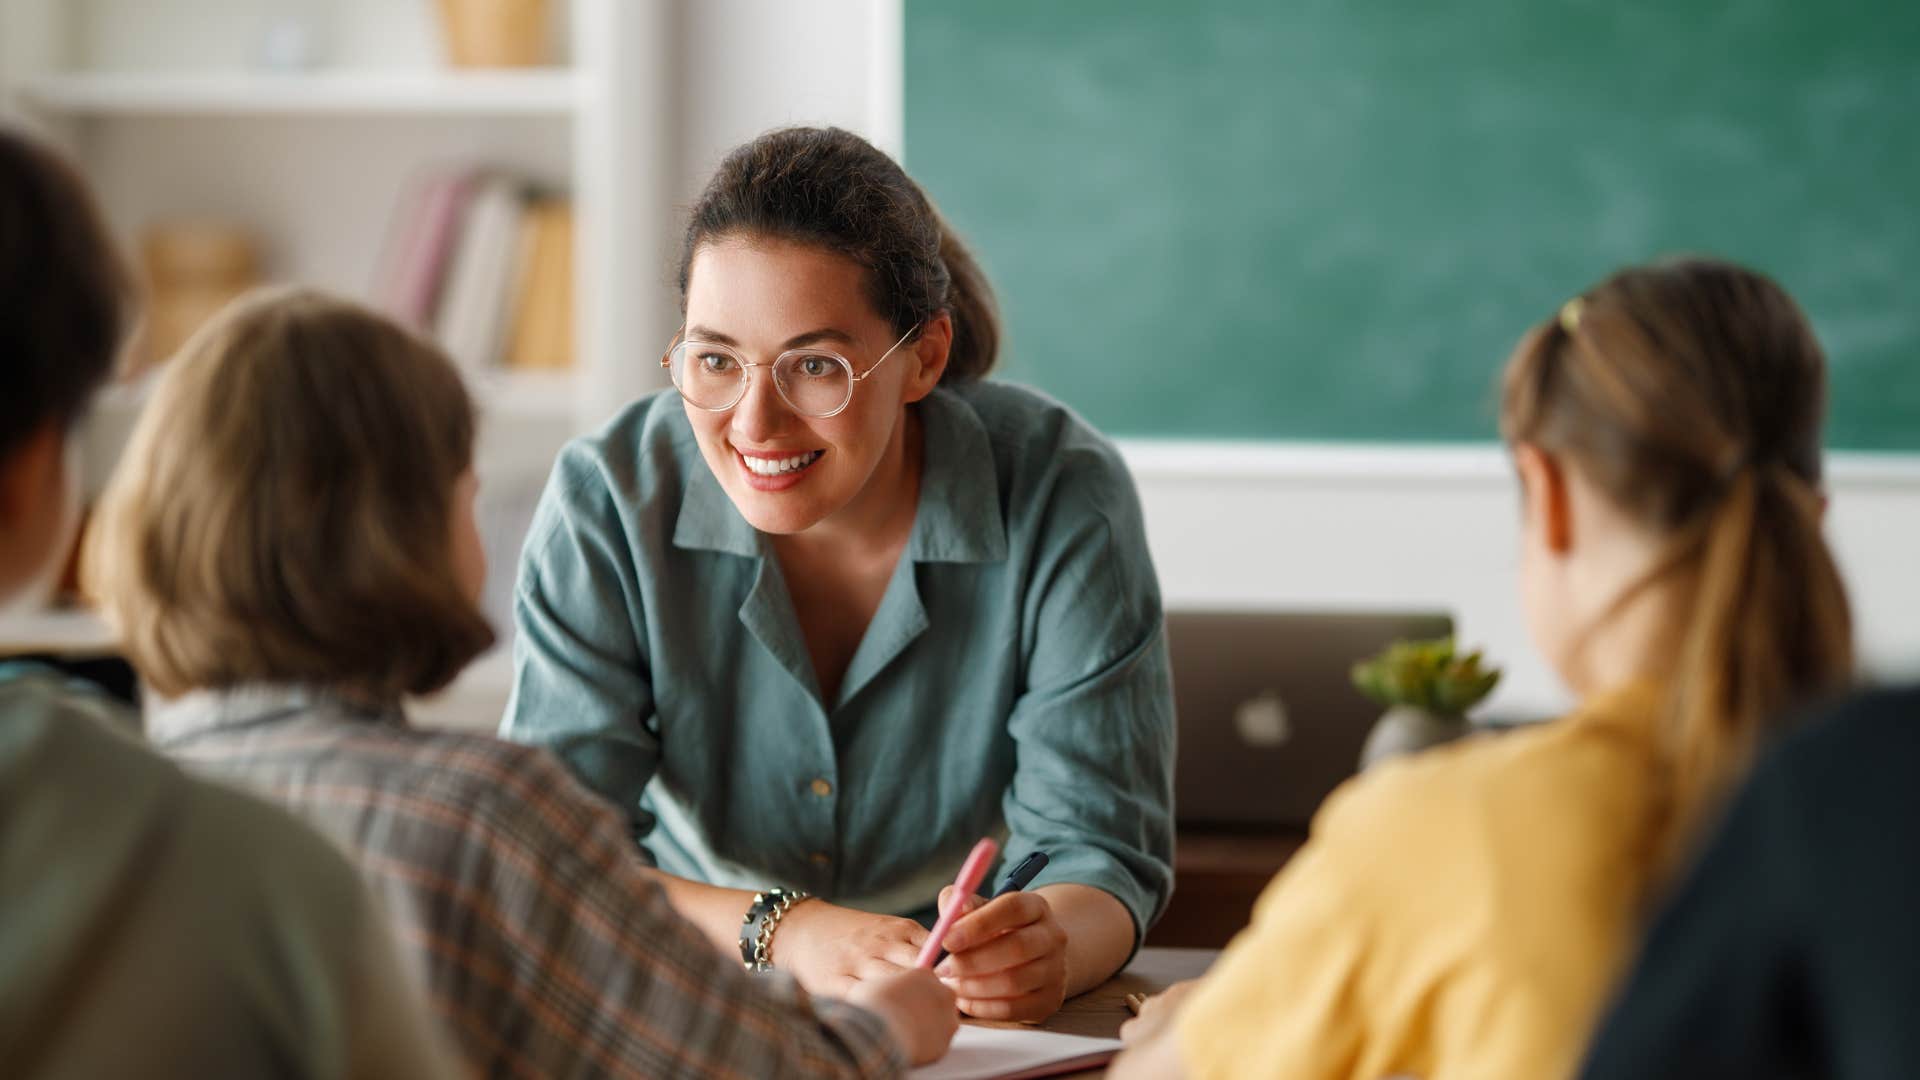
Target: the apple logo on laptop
pixel 1262 721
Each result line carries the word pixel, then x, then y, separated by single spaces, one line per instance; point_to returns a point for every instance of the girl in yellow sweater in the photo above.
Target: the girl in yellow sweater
pixel 1463 914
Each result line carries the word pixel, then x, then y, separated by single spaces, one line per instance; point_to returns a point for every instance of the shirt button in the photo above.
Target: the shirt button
pixel 819 858
pixel 821 787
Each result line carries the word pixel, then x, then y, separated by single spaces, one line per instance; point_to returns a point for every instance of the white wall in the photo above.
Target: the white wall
pixel 749 65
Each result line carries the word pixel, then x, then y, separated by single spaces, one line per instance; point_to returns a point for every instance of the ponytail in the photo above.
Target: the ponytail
pixel 976 315
pixel 1770 620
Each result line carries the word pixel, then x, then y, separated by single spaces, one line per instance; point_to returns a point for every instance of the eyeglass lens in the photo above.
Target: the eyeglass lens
pixel 814 384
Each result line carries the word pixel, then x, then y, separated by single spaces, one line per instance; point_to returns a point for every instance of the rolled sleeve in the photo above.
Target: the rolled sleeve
pixel 1094 731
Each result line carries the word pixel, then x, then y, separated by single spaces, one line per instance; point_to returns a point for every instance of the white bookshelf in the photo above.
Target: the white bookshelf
pixel 554 92
pixel 164 107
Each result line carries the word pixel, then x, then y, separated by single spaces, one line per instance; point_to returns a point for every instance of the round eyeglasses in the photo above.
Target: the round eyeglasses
pixel 813 382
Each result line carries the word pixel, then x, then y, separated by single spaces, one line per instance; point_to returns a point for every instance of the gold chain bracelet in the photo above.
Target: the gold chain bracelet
pixel 759 923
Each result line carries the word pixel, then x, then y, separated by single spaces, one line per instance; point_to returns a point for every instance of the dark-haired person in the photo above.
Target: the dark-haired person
pixel 150 925
pixel 841 606
pixel 1792 949
pixel 1463 914
pixel 283 587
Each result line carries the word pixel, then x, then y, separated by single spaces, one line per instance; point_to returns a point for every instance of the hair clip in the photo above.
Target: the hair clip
pixel 1570 313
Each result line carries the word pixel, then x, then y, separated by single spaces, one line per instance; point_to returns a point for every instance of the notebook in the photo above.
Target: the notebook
pixel 984 1053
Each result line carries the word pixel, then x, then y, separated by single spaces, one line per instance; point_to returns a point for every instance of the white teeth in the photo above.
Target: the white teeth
pixel 777 466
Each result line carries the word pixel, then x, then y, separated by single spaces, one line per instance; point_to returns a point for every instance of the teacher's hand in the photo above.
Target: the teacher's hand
pixel 832 949
pixel 1008 957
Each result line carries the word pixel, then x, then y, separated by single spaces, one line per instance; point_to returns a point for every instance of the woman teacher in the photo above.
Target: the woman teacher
pixel 837 606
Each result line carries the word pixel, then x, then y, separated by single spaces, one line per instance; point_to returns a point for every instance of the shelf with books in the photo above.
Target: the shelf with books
pixel 482 260
pixel 177 112
pixel 185 111
pixel 427 92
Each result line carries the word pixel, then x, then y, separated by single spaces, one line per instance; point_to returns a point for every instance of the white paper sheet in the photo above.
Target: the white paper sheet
pixel 983 1053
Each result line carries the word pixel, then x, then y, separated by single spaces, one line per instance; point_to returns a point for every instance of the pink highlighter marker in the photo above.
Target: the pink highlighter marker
pixel 965 885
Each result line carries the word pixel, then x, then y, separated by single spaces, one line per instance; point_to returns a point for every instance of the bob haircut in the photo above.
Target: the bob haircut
pixel 282 513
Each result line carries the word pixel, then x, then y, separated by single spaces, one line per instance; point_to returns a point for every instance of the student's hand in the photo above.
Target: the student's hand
pixel 917 1007
pixel 830 949
pixel 1156 1058
pixel 1157 1013
pixel 1009 957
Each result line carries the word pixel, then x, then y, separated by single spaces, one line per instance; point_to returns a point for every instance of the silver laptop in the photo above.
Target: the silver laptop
pixel 1268 718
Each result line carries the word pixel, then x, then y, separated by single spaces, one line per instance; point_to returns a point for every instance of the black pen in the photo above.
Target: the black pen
pixel 1021 877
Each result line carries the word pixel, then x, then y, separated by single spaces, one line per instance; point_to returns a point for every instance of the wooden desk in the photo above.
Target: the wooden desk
pixel 1100 1012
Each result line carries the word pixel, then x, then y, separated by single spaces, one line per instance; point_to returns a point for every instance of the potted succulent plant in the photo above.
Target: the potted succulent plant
pixel 1427 688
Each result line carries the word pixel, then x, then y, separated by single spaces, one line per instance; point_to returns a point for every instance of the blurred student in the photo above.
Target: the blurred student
pixel 289 551
pixel 150 925
pixel 1793 948
pixel 1464 913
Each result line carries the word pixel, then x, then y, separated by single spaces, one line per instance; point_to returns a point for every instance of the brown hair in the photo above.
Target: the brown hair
pixel 836 190
pixel 283 509
pixel 64 293
pixel 1691 392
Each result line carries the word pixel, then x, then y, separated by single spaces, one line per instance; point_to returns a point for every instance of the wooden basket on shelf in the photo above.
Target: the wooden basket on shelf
pixel 497 33
pixel 193 269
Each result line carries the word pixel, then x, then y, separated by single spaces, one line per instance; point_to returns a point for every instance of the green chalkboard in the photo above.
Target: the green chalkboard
pixel 1331 219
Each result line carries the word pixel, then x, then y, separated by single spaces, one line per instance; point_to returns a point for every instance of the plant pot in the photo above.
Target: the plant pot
pixel 1404 729
pixel 497 33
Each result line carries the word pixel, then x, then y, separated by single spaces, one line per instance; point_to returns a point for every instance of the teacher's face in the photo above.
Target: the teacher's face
pixel 787 472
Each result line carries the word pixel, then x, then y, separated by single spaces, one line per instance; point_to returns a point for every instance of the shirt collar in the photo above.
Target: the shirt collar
pixel 958 519
pixel 959 515
pixel 708 520
pixel 250 705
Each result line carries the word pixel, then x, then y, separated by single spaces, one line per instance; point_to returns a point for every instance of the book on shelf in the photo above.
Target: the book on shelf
pixel 484 264
pixel 471 322
pixel 542 337
pixel 420 246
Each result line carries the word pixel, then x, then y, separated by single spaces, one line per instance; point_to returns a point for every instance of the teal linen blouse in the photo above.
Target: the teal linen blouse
pixel 1013 682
